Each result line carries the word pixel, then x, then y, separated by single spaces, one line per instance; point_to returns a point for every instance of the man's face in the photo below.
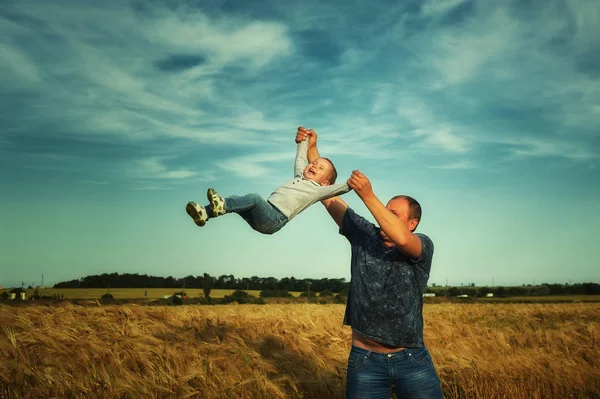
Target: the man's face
pixel 318 171
pixel 399 207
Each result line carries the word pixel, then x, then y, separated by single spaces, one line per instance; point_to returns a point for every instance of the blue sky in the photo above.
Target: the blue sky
pixel 113 115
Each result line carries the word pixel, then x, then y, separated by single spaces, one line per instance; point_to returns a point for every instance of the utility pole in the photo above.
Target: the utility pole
pixel 42 280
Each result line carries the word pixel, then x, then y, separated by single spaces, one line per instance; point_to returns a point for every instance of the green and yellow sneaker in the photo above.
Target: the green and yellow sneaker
pixel 217 204
pixel 197 212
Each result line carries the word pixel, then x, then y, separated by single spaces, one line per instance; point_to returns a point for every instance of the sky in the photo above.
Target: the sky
pixel 115 114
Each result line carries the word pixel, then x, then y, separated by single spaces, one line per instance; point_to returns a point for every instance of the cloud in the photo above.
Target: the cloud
pixel 179 62
pixel 15 63
pixel 96 182
pixel 455 166
pixel 111 71
pixel 155 168
pixel 252 166
pixel 431 81
pixel 435 7
pixel 443 138
pixel 530 147
pixel 434 129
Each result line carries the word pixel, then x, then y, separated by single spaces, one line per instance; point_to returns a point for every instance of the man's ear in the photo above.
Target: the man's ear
pixel 412 224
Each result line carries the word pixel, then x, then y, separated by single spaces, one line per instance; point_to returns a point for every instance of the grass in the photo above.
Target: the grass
pixel 286 351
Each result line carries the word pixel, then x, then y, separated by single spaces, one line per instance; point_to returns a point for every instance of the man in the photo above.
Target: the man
pixel 389 271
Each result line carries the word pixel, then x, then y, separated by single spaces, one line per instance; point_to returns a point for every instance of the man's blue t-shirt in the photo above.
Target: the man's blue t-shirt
pixel 385 302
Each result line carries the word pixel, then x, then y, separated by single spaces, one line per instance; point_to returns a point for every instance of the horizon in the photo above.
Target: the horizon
pixel 114 115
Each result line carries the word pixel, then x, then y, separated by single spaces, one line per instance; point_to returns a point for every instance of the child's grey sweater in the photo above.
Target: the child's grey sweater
pixel 300 193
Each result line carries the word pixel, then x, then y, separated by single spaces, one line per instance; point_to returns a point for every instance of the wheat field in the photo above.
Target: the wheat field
pixel 286 351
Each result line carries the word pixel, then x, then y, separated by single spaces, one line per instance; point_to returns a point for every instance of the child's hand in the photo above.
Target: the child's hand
pixel 360 184
pixel 301 134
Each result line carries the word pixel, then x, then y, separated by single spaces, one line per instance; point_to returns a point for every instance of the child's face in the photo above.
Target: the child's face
pixel 318 171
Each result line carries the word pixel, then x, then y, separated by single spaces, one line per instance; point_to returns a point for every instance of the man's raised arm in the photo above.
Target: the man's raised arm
pixel 390 222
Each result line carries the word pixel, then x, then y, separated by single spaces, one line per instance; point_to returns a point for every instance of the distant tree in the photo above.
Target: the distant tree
pixel 275 294
pixel 206 285
pixel 241 297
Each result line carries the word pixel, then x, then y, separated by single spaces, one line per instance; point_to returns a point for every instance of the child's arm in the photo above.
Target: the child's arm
pixel 325 192
pixel 301 159
pixel 311 137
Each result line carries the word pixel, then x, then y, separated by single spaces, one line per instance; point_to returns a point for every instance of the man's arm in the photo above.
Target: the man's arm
pixel 336 207
pixel 391 224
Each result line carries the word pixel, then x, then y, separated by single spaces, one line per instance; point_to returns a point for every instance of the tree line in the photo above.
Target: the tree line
pixel 127 280
pixel 523 290
pixel 335 285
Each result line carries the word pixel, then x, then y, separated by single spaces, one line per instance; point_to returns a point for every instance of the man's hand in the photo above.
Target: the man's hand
pixel 303 134
pixel 360 184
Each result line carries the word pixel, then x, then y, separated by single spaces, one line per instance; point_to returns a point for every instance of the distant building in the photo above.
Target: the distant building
pixel 489 295
pixel 429 294
pixel 462 296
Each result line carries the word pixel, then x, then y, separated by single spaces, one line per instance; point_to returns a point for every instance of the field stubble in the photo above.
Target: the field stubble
pixel 286 351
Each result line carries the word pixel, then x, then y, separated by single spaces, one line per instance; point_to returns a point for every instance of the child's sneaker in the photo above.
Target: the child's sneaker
pixel 217 204
pixel 197 212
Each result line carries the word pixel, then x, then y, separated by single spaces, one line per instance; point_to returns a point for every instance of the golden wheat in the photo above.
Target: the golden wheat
pixel 286 351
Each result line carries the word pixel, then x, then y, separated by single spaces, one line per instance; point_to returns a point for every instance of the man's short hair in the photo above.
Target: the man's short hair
pixel 333 174
pixel 414 208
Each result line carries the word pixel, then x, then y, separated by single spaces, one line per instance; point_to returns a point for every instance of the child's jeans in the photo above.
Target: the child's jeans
pixel 260 214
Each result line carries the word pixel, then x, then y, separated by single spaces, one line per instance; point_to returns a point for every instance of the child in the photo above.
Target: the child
pixel 311 183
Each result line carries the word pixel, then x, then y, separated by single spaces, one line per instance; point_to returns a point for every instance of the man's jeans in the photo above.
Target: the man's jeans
pixel 409 373
pixel 260 215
